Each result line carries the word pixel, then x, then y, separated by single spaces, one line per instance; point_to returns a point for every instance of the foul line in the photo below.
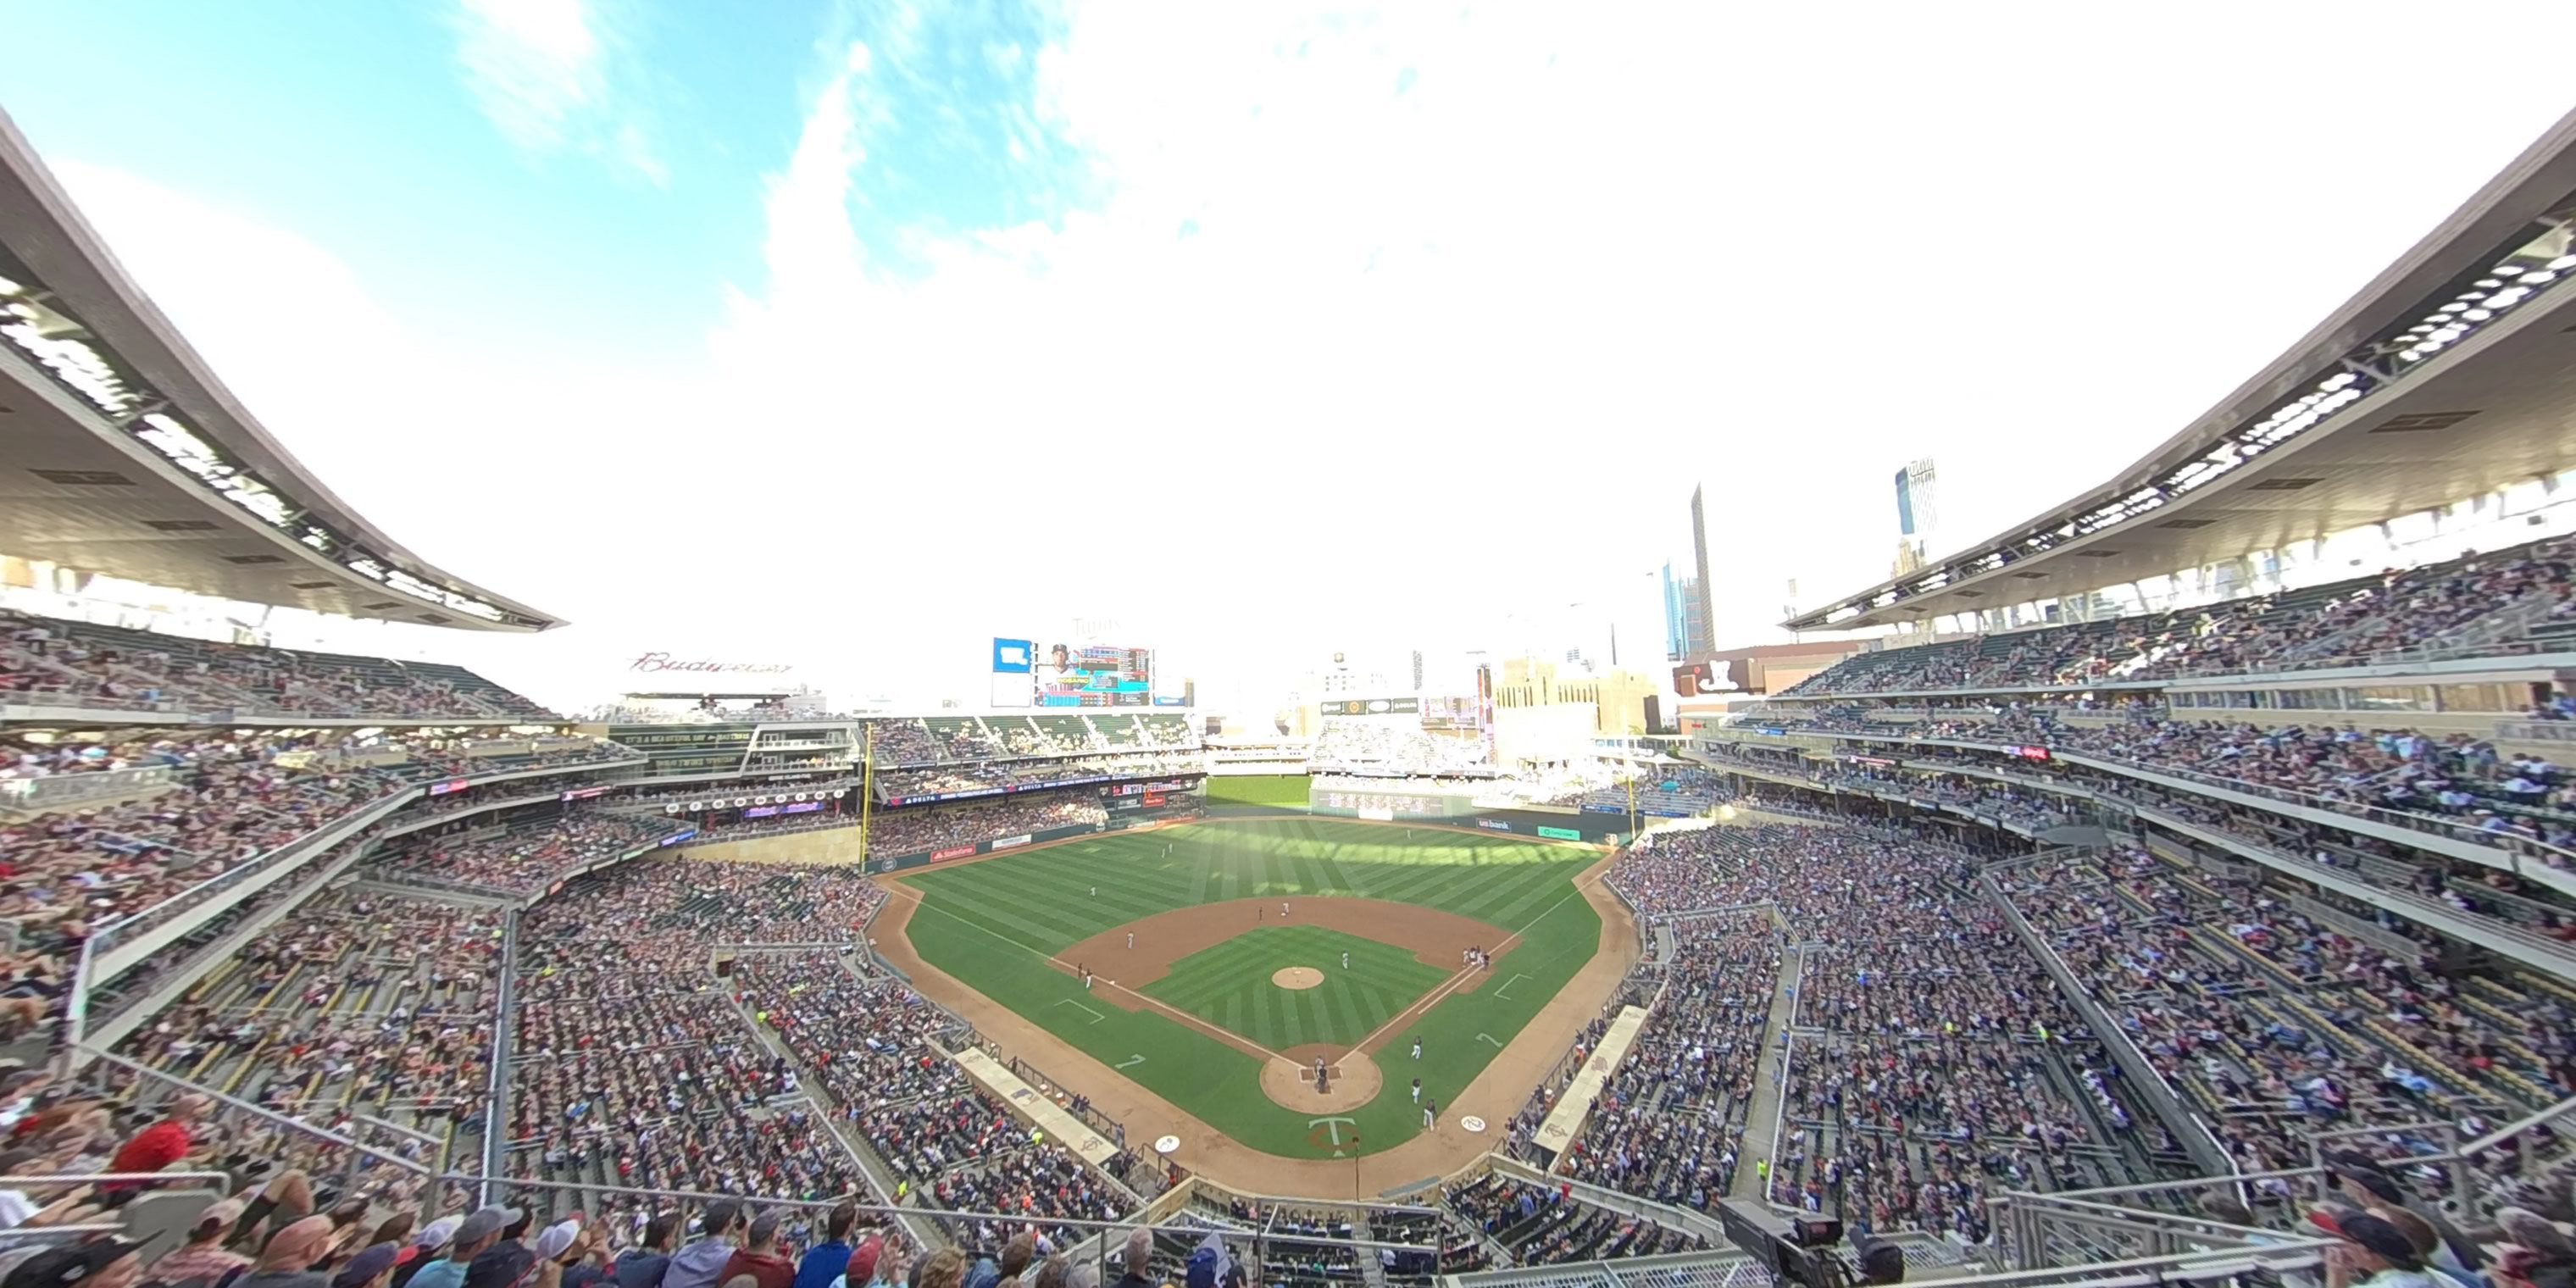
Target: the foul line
pixel 1236 1040
pixel 1425 1003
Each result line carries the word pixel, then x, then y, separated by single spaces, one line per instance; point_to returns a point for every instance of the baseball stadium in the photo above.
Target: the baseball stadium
pixel 2178 886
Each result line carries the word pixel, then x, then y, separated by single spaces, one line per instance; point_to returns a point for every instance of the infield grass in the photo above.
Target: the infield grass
pixel 1230 985
pixel 992 925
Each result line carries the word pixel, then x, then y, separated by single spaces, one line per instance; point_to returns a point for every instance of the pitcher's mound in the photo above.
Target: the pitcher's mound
pixel 1290 1083
pixel 1297 977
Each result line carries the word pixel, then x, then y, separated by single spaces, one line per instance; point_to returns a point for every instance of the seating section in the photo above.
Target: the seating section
pixel 1942 1067
pixel 55 662
pixel 1540 1226
pixel 523 858
pixel 2491 598
pixel 1391 744
pixel 362 1001
pixel 633 1066
pixel 2273 1024
pixel 1669 1125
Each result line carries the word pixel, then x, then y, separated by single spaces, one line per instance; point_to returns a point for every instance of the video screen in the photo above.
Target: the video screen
pixel 1094 675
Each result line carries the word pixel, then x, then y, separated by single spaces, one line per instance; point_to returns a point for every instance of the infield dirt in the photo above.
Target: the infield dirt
pixel 1495 1095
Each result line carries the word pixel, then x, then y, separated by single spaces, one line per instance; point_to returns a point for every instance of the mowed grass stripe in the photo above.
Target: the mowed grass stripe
pixel 1235 978
pixel 1033 898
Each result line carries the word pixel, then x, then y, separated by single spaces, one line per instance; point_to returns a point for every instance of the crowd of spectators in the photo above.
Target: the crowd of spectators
pixel 358 1001
pixel 1541 1226
pixel 1948 1066
pixel 632 1065
pixel 911 831
pixel 523 858
pixel 2458 777
pixel 1669 1123
pixel 1023 775
pixel 66 663
pixel 1391 742
pixel 2275 1024
pixel 2344 622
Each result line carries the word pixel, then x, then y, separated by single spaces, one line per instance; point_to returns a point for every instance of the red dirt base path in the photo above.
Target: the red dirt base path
pixel 1495 1095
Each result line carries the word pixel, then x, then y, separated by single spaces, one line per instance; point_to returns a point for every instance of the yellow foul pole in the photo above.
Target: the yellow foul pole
pixel 867 789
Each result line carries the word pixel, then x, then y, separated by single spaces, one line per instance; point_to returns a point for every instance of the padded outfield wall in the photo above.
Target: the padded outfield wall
pixel 1239 796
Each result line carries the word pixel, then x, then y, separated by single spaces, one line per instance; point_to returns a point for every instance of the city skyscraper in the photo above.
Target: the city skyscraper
pixel 1700 599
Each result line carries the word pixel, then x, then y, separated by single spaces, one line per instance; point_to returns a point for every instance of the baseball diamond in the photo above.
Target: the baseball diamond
pixel 1232 909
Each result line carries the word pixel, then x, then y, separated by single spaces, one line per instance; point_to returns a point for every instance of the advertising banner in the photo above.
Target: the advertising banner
pixel 1371 706
pixel 1493 825
pixel 1011 842
pixel 443 788
pixel 952 852
pixel 1560 834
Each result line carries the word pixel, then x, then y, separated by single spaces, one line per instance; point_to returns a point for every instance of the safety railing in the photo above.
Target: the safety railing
pixel 58 790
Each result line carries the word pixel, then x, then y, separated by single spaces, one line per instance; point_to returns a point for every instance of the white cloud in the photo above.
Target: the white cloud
pixel 540 70
pixel 1432 364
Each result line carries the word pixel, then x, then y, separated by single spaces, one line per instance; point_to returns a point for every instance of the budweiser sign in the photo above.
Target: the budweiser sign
pixel 705 666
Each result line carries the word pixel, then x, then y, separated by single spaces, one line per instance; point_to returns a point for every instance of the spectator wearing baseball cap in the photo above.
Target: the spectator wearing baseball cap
pixel 101 1263
pixel 699 1264
pixel 433 1239
pixel 479 1231
pixel 508 1260
pixel 373 1267
pixel 2373 1254
pixel 204 1255
pixel 2373 1188
pixel 830 1259
pixel 760 1258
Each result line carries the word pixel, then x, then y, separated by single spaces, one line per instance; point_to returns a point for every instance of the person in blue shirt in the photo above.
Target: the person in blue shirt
pixel 828 1260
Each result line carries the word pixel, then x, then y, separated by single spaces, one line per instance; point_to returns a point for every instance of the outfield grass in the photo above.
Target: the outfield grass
pixel 992 924
pixel 1287 791
pixel 1229 985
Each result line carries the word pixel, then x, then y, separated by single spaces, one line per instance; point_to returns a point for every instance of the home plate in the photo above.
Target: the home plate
pixel 1472 1123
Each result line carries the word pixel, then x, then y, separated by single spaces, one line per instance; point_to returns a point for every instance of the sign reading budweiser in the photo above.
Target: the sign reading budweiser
pixel 706 666
pixel 952 852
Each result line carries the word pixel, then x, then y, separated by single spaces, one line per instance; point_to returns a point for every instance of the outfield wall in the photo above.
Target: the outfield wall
pixel 1281 791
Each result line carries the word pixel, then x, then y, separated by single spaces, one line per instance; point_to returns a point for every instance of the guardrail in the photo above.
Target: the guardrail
pixel 57 790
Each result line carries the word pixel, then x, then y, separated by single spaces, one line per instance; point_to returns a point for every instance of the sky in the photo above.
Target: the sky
pixel 852 335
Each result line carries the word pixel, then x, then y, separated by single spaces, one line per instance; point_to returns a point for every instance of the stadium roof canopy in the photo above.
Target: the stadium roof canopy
pixel 2451 375
pixel 122 454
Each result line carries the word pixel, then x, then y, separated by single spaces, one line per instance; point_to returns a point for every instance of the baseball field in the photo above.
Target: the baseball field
pixel 1226 959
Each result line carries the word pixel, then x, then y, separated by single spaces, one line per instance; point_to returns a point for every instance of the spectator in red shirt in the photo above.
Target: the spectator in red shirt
pixel 155 1147
pixel 760 1257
